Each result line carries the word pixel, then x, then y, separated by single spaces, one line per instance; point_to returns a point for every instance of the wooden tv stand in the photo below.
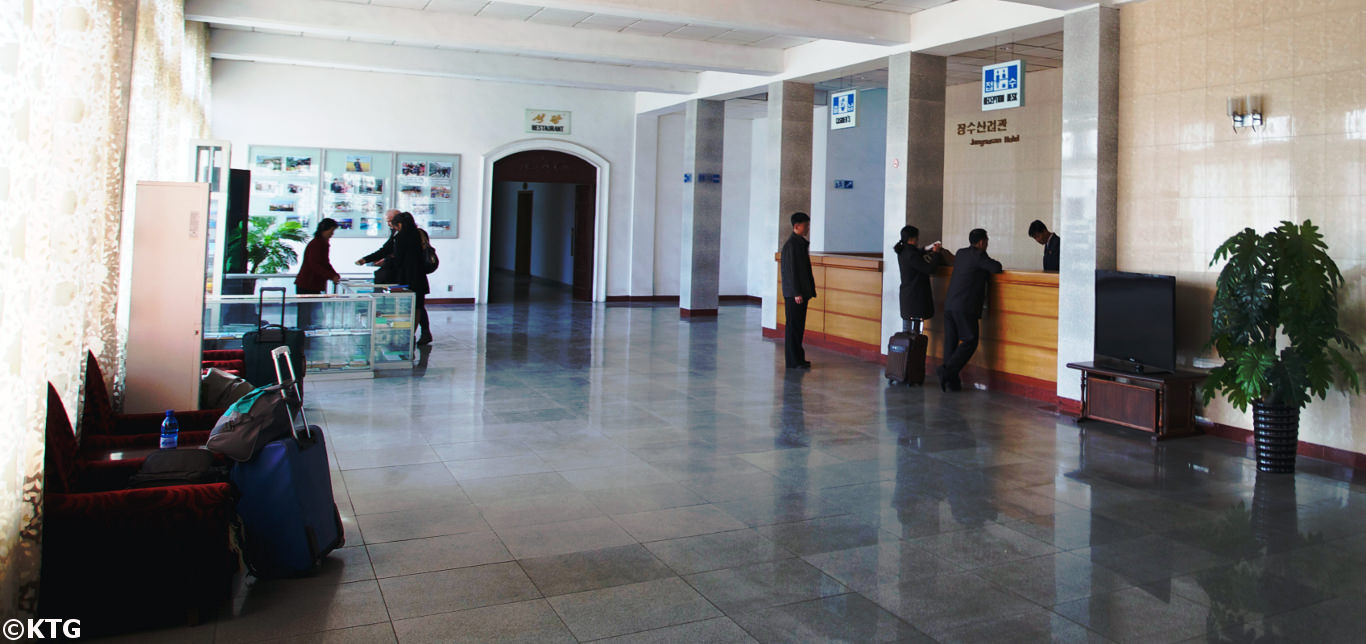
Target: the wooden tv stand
pixel 1161 403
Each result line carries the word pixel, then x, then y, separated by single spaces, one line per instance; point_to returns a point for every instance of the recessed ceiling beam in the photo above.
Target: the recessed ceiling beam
pixel 317 52
pixel 434 29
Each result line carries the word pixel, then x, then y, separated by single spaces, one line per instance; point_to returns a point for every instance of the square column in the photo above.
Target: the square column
pixel 699 273
pixel 915 166
pixel 1090 162
pixel 787 188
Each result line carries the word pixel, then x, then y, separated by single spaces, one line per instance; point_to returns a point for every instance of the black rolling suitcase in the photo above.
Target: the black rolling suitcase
pixel 906 358
pixel 258 344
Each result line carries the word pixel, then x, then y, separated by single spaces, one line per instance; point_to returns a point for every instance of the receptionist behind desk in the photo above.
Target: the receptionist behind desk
pixel 1052 244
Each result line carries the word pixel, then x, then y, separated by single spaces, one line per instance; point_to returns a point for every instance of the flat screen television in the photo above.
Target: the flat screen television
pixel 1135 321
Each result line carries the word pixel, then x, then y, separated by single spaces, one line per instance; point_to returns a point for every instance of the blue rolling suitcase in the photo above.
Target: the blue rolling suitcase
pixel 290 519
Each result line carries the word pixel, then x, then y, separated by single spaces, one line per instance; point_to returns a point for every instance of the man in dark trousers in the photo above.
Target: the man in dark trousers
pixel 799 288
pixel 1052 244
pixel 963 307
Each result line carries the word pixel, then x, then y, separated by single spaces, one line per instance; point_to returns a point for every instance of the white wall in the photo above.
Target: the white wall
pixel 761 272
pixel 668 204
pixel 735 210
pixel 256 103
pixel 853 218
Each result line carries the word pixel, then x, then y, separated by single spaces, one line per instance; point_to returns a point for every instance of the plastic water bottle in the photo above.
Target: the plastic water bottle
pixel 170 430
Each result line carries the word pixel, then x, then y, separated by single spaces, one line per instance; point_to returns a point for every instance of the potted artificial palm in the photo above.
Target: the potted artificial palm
pixel 1275 324
pixel 267 251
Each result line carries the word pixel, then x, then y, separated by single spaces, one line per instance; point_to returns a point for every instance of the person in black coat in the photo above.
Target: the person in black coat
pixel 799 288
pixel 963 307
pixel 384 274
pixel 917 265
pixel 409 264
pixel 1051 242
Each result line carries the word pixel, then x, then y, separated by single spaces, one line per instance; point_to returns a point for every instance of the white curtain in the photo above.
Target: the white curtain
pixel 67 68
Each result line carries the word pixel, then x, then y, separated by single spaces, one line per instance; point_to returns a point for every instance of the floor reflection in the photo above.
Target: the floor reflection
pixel 564 471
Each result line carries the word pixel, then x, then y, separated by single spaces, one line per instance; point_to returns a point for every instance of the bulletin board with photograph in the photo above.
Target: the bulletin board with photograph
pixel 429 187
pixel 284 183
pixel 356 192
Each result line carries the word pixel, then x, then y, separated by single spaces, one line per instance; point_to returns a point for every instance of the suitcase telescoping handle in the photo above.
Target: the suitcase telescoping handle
pixel 261 305
pixel 291 382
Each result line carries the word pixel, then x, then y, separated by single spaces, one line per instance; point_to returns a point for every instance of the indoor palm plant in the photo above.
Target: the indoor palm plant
pixel 1275 324
pixel 267 251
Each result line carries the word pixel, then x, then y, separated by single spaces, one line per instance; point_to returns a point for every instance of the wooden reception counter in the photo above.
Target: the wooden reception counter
pixel 847 312
pixel 1018 352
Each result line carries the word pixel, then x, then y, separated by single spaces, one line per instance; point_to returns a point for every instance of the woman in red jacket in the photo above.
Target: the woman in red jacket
pixel 314 272
pixel 316 268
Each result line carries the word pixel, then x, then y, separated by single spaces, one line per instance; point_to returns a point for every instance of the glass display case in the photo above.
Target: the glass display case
pixel 337 328
pixel 392 333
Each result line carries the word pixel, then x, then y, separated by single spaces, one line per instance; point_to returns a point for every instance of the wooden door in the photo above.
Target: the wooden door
pixel 585 202
pixel 522 262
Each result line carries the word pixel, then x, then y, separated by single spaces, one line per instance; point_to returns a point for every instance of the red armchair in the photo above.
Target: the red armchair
pixel 104 429
pixel 232 361
pixel 126 559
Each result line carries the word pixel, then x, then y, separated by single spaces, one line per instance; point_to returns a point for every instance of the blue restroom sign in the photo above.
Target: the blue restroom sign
pixel 843 109
pixel 1003 85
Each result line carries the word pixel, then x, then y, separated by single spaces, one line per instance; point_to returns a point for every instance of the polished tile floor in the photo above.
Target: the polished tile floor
pixel 560 472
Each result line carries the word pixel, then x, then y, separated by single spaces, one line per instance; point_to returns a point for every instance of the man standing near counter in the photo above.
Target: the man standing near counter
pixel 1051 242
pixel 799 288
pixel 963 307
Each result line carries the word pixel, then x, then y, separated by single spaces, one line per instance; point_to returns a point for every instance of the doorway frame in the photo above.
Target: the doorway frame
pixel 600 227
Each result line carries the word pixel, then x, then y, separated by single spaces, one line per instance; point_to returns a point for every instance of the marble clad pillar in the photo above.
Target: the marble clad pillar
pixel 1090 157
pixel 915 166
pixel 699 272
pixel 788 183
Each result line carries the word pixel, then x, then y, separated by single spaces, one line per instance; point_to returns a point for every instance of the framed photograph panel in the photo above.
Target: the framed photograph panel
pixel 356 191
pixel 428 185
pixel 284 183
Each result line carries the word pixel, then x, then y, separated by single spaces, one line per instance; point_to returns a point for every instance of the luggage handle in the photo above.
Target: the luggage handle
pixel 261 305
pixel 286 384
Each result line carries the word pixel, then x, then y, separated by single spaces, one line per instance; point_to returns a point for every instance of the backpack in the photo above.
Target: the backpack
pixel 182 466
pixel 432 261
pixel 248 424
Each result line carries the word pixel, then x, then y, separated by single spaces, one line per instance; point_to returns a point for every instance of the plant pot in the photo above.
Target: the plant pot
pixel 1276 430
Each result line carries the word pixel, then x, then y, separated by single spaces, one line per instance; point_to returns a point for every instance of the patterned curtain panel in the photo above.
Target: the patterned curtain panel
pixel 169 108
pixel 68 68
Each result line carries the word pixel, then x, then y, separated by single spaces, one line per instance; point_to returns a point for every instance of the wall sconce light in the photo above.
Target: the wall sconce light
pixel 1246 111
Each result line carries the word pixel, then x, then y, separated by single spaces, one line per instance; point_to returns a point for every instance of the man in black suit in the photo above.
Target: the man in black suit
pixel 799 288
pixel 384 273
pixel 963 307
pixel 1052 244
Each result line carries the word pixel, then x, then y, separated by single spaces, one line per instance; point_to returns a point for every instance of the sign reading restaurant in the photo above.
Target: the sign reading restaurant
pixel 1003 85
pixel 547 122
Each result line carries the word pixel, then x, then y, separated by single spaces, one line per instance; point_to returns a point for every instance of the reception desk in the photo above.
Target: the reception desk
pixel 1018 351
pixel 847 312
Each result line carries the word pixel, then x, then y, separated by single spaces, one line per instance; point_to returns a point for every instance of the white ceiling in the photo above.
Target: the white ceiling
pixel 628 45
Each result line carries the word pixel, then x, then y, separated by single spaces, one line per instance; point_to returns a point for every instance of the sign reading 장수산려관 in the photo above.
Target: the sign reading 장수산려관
pixel 1003 85
pixel 843 109
pixel 547 122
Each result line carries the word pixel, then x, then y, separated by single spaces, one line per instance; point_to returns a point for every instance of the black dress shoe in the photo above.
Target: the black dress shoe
pixel 943 377
pixel 426 339
pixel 806 364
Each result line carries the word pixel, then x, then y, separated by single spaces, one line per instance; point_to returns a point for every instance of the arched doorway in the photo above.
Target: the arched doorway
pixel 581 178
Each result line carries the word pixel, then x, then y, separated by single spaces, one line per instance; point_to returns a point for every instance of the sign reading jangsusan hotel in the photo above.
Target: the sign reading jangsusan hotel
pixel 1003 85
pixel 547 122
